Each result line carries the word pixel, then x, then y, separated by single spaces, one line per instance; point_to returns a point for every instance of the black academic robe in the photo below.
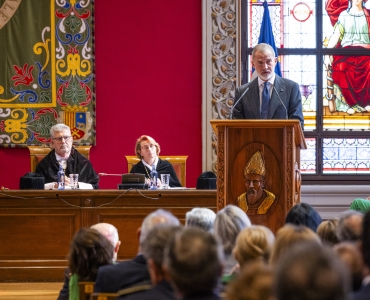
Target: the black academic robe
pixel 76 164
pixel 163 167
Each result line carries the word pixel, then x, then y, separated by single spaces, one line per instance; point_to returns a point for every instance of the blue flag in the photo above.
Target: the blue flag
pixel 266 34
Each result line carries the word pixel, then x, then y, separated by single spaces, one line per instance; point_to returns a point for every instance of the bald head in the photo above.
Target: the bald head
pixel 111 233
pixel 158 217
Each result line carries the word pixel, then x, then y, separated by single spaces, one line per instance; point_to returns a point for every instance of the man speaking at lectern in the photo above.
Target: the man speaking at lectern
pixel 268 96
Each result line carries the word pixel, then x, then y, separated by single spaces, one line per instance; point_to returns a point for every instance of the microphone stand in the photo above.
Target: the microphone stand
pixel 236 102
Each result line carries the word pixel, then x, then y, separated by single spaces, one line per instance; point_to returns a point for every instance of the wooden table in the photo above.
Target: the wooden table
pixel 36 226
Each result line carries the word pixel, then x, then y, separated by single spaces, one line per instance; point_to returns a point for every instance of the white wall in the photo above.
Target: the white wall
pixel 331 200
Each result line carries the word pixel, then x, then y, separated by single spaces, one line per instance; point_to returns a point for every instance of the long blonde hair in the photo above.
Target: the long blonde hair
pixel 253 243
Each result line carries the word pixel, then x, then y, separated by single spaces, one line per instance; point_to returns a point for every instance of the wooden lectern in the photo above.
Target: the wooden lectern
pixel 280 142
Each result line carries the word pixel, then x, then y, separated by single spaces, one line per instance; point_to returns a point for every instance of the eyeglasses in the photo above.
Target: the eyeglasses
pixel 60 138
pixel 146 147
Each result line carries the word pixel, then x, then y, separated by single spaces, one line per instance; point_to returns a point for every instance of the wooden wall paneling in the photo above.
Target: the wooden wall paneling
pixel 36 227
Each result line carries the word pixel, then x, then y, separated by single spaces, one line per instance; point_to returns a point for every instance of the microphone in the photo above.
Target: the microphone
pixel 236 102
pixel 286 111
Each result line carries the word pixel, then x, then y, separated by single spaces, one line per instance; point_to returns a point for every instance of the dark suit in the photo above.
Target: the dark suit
pixel 64 292
pixel 249 106
pixel 362 294
pixel 112 278
pixel 162 291
pixel 202 296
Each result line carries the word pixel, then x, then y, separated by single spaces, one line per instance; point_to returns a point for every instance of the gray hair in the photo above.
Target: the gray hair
pixel 156 241
pixel 201 217
pixel 158 217
pixel 194 260
pixel 263 48
pixel 59 127
pixel 228 223
pixel 349 226
pixel 107 230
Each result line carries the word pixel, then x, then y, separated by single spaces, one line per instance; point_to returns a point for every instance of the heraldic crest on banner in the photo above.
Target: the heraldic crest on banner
pixel 46 70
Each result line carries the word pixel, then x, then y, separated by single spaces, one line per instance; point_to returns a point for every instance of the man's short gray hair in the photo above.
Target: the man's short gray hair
pixel 228 223
pixel 194 261
pixel 158 217
pixel 156 241
pixel 201 217
pixel 263 48
pixel 349 226
pixel 59 127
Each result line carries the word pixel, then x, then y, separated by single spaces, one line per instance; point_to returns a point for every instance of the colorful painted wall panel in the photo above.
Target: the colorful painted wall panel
pixel 46 70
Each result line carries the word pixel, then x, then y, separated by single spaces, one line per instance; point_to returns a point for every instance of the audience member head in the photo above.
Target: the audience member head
pixel 61 139
pixel 88 251
pixel 304 214
pixel 287 236
pixel 111 233
pixel 365 242
pixel 350 255
pixel 254 282
pixel 193 259
pixel 201 217
pixel 228 223
pixel 153 249
pixel 144 144
pixel 327 232
pixel 309 271
pixel 158 217
pixel 253 243
pixel 350 226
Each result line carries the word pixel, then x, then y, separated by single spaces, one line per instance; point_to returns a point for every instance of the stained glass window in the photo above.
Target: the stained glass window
pixel 324 47
pixel 308 157
pixel 341 156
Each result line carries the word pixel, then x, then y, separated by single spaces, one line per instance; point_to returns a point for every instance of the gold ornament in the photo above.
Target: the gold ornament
pixel 255 165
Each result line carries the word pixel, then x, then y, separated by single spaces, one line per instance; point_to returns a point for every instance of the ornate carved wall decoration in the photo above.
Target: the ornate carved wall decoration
pixel 223 56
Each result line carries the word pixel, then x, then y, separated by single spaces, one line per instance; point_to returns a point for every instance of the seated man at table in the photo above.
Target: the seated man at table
pixel 69 158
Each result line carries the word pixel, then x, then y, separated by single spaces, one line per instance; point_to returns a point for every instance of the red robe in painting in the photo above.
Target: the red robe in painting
pixel 351 74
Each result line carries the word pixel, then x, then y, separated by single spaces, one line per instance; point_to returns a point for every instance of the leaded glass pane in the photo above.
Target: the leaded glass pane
pixel 346 79
pixel 299 24
pixel 346 156
pixel 302 69
pixel 254 22
pixel 293 23
pixel 308 157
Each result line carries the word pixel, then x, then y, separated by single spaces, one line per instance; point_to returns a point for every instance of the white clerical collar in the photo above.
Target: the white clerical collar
pixel 59 158
pixel 271 80
pixel 149 166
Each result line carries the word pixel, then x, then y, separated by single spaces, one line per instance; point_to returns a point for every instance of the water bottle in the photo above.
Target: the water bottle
pixel 153 178
pixel 61 182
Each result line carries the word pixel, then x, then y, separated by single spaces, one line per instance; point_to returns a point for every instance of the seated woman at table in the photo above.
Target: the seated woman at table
pixel 147 149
